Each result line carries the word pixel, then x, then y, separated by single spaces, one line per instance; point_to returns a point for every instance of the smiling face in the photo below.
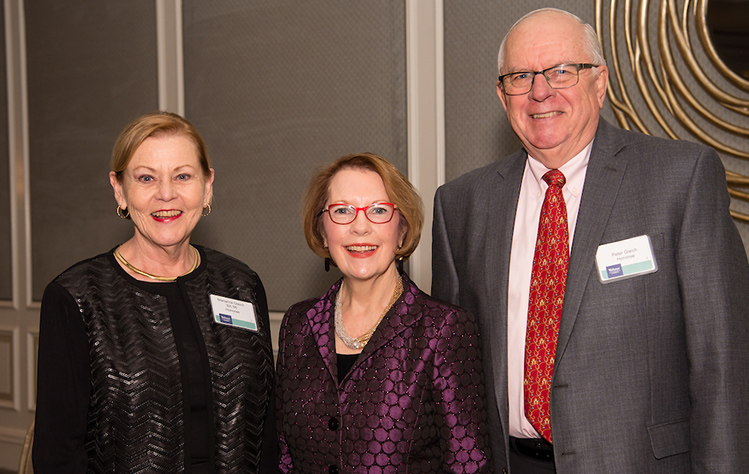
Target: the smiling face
pixel 554 125
pixel 164 189
pixel 362 250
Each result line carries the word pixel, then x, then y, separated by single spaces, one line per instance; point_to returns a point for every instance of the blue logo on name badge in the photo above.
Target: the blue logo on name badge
pixel 614 270
pixel 225 318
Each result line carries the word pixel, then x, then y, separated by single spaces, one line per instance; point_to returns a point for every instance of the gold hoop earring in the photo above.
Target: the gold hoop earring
pixel 204 213
pixel 122 213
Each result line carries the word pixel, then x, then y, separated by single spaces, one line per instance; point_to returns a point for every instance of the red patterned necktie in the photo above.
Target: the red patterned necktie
pixel 548 278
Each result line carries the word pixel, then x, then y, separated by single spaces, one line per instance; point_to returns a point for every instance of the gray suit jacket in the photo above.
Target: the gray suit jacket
pixel 650 372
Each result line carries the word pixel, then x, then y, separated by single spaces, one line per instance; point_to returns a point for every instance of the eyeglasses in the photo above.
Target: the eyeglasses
pixel 560 76
pixel 377 213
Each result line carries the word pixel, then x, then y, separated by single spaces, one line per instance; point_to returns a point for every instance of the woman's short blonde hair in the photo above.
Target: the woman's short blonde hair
pixel 399 190
pixel 151 125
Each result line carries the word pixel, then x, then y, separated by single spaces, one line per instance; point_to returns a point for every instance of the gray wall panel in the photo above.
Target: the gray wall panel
pixel 91 69
pixel 278 88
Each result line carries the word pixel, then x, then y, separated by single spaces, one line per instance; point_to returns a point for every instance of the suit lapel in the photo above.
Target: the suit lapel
pixel 602 182
pixel 503 190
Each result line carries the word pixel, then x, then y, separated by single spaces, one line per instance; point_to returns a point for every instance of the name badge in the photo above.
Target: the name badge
pixel 625 259
pixel 231 312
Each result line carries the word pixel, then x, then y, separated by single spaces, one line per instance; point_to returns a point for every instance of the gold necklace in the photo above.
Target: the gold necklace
pixel 361 341
pixel 154 277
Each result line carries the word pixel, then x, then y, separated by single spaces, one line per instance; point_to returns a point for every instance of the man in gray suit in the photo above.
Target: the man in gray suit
pixel 652 345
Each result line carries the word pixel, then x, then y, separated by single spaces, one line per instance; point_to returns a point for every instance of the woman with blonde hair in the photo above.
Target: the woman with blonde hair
pixel 156 356
pixel 375 375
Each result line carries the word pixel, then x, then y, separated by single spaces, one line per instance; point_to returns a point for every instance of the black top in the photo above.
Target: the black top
pixel 345 362
pixel 196 388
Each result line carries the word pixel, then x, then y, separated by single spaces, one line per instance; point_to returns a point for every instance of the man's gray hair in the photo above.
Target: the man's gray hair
pixel 591 44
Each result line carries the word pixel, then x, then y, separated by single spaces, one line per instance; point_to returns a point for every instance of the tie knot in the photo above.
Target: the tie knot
pixel 554 178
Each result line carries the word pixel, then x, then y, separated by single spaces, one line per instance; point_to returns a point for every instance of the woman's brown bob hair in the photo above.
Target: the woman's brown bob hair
pixel 152 125
pixel 399 190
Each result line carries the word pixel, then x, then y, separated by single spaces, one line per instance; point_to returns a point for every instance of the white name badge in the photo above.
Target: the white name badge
pixel 233 312
pixel 625 259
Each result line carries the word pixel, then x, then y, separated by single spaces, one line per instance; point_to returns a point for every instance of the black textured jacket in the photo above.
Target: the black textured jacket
pixel 110 390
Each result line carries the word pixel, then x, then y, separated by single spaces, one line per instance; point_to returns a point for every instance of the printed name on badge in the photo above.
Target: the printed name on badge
pixel 236 313
pixel 625 259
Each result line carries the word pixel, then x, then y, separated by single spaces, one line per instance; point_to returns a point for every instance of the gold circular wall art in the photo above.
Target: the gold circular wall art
pixel 667 79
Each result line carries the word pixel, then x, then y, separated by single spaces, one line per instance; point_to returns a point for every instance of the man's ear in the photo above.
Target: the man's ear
pixel 501 95
pixel 602 82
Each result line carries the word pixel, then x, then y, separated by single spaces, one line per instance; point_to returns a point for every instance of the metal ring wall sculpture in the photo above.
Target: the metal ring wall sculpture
pixel 665 73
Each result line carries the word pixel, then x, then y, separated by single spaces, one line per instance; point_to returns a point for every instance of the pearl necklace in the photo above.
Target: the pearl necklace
pixel 155 277
pixel 361 341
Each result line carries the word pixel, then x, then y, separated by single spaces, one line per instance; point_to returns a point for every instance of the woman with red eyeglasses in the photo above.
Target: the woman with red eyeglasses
pixel 375 375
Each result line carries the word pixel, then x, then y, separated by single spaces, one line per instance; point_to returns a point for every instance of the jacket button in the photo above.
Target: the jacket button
pixel 333 424
pixel 333 469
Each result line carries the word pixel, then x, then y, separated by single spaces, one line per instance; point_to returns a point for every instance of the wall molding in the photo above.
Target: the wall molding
pixel 12 435
pixel 32 350
pixel 170 56
pixel 426 119
pixel 10 399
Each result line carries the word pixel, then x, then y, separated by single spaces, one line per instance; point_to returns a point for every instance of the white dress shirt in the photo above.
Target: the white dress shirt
pixel 531 199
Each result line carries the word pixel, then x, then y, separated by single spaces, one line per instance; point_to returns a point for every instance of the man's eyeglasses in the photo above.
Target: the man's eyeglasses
pixel 560 76
pixel 377 213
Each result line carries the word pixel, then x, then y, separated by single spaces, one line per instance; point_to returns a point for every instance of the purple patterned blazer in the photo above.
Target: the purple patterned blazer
pixel 412 402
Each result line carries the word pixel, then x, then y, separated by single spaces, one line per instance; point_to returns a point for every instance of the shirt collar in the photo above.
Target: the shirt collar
pixel 574 172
